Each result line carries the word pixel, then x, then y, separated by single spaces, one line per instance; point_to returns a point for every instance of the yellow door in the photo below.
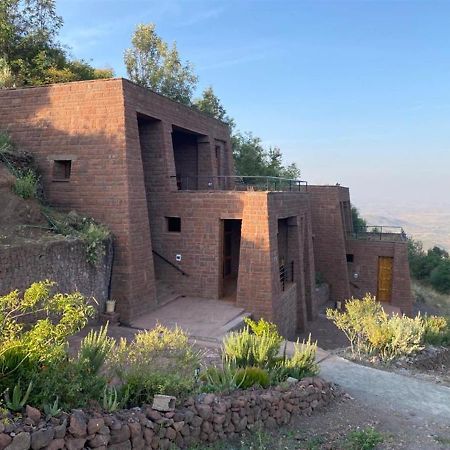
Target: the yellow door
pixel 385 265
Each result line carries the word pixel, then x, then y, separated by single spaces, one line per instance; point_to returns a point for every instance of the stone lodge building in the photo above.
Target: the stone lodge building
pixel 160 175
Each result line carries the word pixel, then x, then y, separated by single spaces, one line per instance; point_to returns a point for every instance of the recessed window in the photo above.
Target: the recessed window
pixel 62 169
pixel 173 224
pixel 350 257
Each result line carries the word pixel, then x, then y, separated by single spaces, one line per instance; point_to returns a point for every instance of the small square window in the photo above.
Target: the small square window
pixel 350 257
pixel 173 224
pixel 62 169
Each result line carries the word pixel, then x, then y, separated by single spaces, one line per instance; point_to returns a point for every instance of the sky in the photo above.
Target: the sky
pixel 356 92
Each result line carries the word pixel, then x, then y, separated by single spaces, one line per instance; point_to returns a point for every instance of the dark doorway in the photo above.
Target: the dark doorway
pixel 231 247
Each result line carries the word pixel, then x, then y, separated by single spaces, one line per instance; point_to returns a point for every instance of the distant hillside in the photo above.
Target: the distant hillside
pixel 431 226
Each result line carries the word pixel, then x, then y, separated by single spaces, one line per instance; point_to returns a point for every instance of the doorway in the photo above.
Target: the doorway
pixel 231 247
pixel 385 275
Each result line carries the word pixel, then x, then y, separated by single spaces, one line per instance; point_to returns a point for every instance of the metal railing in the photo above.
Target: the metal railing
pixel 286 274
pixel 170 263
pixel 239 183
pixel 379 233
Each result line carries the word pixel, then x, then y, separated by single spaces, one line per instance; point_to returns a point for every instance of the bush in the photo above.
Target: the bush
pixel 258 344
pixel 220 379
pixel 371 331
pixel 6 144
pixel 252 376
pixel 303 361
pixel 159 361
pixel 440 277
pixel 94 236
pixel 26 185
pixel 437 330
pixel 34 328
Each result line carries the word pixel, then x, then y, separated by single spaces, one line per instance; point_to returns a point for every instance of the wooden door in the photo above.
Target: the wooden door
pixel 385 275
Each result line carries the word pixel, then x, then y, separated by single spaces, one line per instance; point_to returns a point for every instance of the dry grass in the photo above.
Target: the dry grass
pixel 425 295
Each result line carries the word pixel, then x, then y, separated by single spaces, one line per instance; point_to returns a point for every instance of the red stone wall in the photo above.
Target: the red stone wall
pixel 365 264
pixel 329 238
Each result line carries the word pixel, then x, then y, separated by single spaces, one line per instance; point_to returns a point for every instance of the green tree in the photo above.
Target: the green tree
pixel 151 63
pixel 30 53
pixel 440 277
pixel 252 159
pixel 359 224
pixel 210 104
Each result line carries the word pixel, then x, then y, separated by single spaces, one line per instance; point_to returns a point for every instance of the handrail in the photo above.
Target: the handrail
pixel 170 263
pixel 378 231
pixel 234 182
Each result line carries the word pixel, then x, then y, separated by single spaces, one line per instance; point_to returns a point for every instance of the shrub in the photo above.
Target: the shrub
pixel 440 277
pixel 94 236
pixel 259 348
pixel 303 361
pixel 437 330
pixel 217 379
pixel 26 185
pixel 6 144
pixel 372 332
pixel 159 361
pixel 366 439
pixel 252 376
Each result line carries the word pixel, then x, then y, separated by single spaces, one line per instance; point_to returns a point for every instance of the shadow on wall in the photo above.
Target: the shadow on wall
pixel 82 125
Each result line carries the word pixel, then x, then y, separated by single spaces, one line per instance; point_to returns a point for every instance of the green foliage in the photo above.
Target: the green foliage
pixel 52 410
pixel 151 63
pixel 6 144
pixel 431 267
pixel 29 49
pixel 210 104
pixel 28 349
pixel 366 439
pixel 110 401
pixel 252 376
pixel 359 224
pixel 26 185
pixel 303 361
pixel 437 330
pixel 220 379
pixel 93 234
pixel 258 344
pixel 158 361
pixel 252 159
pixel 371 331
pixel 17 401
pixel 95 349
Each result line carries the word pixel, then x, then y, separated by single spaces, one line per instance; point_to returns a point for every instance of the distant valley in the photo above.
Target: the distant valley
pixel 429 225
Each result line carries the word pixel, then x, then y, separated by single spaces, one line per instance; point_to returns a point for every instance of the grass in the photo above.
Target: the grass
pixel 26 185
pixel 443 440
pixel 288 439
pixel 428 296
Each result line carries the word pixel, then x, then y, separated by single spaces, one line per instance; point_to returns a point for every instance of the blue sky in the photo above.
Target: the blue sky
pixel 355 92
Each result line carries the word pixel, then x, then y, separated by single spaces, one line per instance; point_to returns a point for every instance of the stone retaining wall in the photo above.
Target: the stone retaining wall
pixel 205 418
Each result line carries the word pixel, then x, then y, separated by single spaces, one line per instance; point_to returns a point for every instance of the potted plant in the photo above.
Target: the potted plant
pixel 110 306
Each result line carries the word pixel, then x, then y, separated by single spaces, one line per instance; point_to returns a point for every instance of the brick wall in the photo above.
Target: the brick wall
pixel 365 264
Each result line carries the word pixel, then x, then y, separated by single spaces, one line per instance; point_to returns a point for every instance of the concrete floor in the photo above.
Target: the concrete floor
pixel 200 318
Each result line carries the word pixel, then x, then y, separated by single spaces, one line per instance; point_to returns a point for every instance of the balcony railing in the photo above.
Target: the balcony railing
pixel 379 233
pixel 239 183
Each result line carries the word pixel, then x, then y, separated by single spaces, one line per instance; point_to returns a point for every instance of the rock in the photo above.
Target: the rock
pixel 219 418
pixel 209 399
pixel 94 425
pixel 99 440
pixel 104 430
pixel 42 438
pixel 171 434
pixel 2 427
pixel 121 446
pixel 75 443
pixel 135 429
pixel 20 441
pixel 5 440
pixel 178 425
pixel 164 403
pixel 33 413
pixel 153 415
pixel 122 435
pixel 56 444
pixel 77 426
pixel 148 435
pixel 60 430
pixel 204 411
pixel 292 380
pixel 137 443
